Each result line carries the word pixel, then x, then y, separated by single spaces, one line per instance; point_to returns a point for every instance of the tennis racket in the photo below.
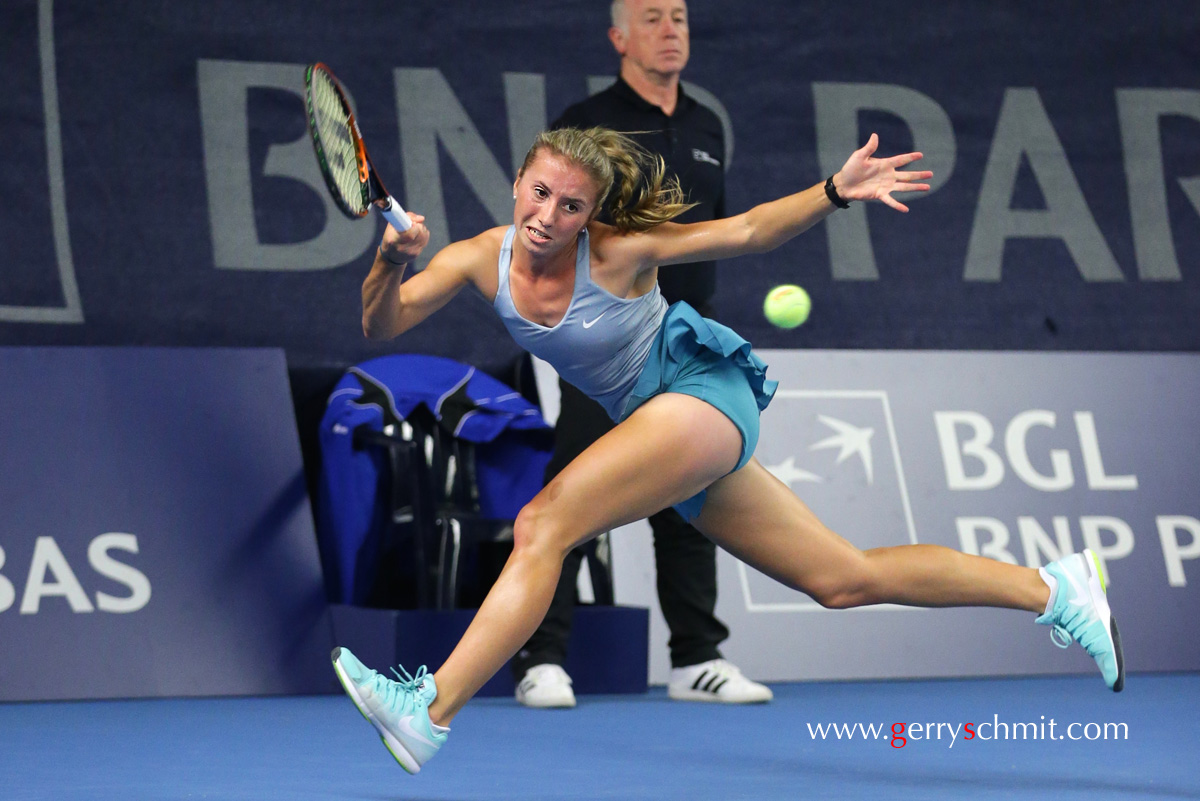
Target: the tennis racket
pixel 341 154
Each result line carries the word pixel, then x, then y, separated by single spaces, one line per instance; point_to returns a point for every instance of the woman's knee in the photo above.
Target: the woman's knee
pixel 850 586
pixel 537 530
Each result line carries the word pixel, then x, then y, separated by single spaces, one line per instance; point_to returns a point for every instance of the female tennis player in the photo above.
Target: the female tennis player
pixel 686 393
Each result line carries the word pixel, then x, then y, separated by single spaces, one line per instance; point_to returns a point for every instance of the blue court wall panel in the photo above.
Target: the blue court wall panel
pixel 186 209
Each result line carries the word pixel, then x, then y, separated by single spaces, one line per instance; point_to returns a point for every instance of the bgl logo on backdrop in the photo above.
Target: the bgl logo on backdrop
pixel 839 451
pixel 50 575
pixel 974 461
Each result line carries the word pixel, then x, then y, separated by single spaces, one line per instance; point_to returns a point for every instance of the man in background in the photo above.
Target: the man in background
pixel 648 102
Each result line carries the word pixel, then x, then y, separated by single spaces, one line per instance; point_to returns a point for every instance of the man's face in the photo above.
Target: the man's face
pixel 657 36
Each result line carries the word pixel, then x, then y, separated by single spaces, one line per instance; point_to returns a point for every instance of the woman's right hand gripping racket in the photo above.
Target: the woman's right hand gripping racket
pixel 341 154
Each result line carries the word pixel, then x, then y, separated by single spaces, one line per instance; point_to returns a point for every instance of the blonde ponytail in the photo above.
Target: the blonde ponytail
pixel 632 181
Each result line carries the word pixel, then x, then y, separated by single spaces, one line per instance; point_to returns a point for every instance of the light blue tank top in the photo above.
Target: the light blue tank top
pixel 602 342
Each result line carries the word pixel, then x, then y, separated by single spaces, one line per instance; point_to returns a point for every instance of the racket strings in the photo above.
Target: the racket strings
pixel 341 157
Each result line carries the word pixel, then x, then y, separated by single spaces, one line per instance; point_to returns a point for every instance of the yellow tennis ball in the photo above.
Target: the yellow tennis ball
pixel 787 306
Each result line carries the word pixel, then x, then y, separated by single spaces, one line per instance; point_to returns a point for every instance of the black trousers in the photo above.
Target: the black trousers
pixel 685 561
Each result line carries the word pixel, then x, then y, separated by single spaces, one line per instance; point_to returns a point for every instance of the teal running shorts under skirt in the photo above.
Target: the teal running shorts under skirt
pixel 695 356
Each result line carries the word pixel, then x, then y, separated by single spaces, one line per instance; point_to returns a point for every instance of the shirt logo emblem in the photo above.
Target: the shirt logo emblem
pixel 587 324
pixel 702 155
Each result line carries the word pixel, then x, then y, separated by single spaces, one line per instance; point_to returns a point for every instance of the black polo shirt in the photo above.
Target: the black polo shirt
pixel 692 144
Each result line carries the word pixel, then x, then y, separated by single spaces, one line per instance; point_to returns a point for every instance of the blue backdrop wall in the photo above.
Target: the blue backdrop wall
pixel 160 189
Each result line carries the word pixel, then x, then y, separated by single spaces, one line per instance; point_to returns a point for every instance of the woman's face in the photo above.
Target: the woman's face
pixel 555 199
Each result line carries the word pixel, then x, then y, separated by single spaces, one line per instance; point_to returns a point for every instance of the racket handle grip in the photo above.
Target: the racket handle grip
pixel 392 212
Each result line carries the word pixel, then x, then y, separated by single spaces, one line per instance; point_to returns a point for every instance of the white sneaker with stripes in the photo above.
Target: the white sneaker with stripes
pixel 546 687
pixel 716 681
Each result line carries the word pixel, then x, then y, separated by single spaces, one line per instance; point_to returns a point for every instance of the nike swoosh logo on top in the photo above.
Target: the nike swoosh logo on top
pixel 587 324
pixel 405 725
pixel 1081 594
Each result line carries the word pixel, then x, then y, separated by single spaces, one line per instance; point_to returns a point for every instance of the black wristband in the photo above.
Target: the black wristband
pixel 383 256
pixel 834 197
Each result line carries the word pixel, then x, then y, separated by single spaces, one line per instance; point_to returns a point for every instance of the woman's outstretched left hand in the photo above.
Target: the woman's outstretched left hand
pixel 864 177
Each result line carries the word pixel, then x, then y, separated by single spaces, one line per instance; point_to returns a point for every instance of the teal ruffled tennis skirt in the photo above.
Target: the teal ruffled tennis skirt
pixel 695 356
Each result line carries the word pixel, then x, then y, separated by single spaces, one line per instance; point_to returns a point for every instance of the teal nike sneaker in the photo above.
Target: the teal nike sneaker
pixel 399 710
pixel 1079 611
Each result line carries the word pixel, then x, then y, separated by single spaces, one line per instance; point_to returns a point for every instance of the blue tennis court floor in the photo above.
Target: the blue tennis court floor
pixel 1137 744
